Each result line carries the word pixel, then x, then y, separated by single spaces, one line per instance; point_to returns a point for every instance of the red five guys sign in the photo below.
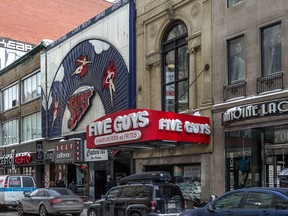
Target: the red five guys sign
pixel 144 125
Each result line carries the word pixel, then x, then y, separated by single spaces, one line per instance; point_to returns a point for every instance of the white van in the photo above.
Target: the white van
pixel 12 188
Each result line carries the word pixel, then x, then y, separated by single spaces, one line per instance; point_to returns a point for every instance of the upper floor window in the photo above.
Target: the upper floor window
pixel 231 3
pixel 10 132
pixel 236 60
pixel 31 87
pixel 271 47
pixel 10 97
pixel 31 127
pixel 175 68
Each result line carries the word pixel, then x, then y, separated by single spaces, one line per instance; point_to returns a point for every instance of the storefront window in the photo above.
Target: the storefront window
pixel 15 171
pixel 188 178
pixel 276 154
pixel 28 171
pixel 243 159
pixel 61 172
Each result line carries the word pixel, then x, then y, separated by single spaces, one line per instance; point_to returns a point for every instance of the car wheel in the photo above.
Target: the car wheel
pixel 20 209
pixel 135 214
pixel 42 211
pixel 92 213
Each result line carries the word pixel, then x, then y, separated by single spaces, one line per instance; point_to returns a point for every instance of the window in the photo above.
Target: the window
pixel 236 60
pixel 28 182
pixel 113 193
pixel 28 170
pixel 15 171
pixel 31 127
pixel 10 132
pixel 126 192
pixel 15 181
pixel 279 203
pixel 175 68
pixel 242 150
pixel 10 97
pixel 31 87
pixel 231 201
pixel 256 200
pixel 271 50
pixel 40 193
pixel 231 3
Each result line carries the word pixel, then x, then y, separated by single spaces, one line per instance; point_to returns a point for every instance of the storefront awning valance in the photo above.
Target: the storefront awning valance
pixel 147 129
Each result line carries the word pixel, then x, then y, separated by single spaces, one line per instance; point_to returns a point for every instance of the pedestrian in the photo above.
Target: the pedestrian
pixel 73 186
pixel 110 183
pixel 60 183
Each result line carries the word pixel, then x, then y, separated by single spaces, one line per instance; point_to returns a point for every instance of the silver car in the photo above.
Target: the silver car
pixel 46 201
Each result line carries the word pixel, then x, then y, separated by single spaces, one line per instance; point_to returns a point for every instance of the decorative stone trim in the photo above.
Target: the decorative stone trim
pixel 194 45
pixel 195 9
pixel 170 12
pixel 153 31
pixel 153 59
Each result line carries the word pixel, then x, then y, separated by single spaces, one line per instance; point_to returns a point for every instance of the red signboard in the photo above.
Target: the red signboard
pixel 144 125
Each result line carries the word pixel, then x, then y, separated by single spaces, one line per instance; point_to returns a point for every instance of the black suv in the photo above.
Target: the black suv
pixel 152 197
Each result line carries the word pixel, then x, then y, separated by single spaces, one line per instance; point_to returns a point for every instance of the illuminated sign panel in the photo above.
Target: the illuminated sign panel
pixel 137 125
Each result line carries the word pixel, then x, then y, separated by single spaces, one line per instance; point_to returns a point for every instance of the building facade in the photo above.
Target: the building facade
pixel 88 73
pixel 173 75
pixel 250 93
pixel 36 101
pixel 21 147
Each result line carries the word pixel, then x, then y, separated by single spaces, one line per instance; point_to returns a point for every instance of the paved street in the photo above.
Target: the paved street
pixel 12 212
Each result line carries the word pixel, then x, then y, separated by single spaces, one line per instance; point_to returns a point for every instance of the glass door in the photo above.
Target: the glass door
pixel 276 159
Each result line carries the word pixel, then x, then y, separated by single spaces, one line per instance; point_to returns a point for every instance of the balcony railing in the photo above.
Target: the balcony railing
pixel 270 82
pixel 235 90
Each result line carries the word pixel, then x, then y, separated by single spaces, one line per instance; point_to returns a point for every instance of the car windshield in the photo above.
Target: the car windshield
pixel 59 191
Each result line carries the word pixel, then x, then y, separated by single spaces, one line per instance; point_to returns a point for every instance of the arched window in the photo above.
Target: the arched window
pixel 175 68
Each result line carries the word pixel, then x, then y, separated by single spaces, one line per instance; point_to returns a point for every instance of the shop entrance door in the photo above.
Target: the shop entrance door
pixel 276 159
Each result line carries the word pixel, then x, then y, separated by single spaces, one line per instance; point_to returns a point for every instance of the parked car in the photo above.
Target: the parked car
pixel 50 201
pixel 140 199
pixel 12 188
pixel 246 201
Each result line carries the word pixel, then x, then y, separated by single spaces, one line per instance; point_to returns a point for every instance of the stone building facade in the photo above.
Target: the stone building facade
pixel 158 37
pixel 250 92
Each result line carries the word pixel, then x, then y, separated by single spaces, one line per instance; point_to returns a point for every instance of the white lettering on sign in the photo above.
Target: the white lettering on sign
pixel 121 124
pixel 231 171
pixel 240 112
pixel 63 155
pixel 250 111
pixel 170 125
pixel 119 137
pixel 16 45
pixel 191 127
pixel 15 159
pixel 100 127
